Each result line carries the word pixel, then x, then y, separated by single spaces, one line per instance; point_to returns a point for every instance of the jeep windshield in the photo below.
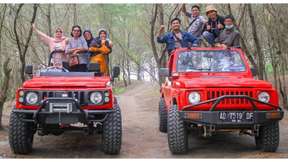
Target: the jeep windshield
pixel 210 61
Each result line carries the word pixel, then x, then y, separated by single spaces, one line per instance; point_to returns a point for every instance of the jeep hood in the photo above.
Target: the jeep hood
pixel 223 81
pixel 62 82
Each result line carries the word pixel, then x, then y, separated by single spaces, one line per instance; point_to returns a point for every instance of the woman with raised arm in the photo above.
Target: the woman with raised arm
pixel 56 43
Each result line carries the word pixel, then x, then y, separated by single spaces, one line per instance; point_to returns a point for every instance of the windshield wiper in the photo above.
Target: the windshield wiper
pixel 197 69
pixel 203 69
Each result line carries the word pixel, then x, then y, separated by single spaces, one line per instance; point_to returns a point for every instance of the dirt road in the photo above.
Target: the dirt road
pixel 141 138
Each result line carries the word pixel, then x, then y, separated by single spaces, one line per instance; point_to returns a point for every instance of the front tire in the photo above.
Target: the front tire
pixel 177 133
pixel 268 139
pixel 112 132
pixel 20 134
pixel 162 116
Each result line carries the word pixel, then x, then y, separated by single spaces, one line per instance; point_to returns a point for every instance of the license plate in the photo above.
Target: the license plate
pixel 236 117
pixel 60 107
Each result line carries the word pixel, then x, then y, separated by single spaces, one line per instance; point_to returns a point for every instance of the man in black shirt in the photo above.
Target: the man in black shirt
pixel 214 25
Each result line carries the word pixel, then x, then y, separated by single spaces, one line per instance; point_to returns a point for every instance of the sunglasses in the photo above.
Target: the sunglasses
pixel 76 30
pixel 58 31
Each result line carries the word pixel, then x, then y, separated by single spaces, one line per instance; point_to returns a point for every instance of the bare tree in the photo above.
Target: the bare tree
pixel 260 58
pixel 4 87
pixel 75 14
pixel 159 59
pixel 237 23
pixel 23 46
pixel 2 23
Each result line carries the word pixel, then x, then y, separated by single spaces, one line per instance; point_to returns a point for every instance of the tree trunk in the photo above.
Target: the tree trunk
pixel 260 58
pixel 242 41
pixel 158 60
pixel 152 36
pixel 124 73
pixel 127 60
pixel 75 14
pixel 1 25
pixel 4 87
pixel 6 71
pixel 22 48
pixel 139 72
pixel 49 20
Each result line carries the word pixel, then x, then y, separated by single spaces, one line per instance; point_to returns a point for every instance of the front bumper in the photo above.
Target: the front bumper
pixel 55 111
pixel 213 116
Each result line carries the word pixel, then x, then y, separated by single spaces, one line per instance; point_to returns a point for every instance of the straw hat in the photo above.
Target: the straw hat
pixel 210 8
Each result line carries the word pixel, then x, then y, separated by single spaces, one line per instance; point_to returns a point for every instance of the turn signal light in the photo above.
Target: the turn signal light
pixel 273 115
pixel 194 115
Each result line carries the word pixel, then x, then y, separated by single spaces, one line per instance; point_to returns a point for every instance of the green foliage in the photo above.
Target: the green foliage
pixel 119 90
pixel 269 68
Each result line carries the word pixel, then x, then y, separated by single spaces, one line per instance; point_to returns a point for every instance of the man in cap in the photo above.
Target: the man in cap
pixel 214 25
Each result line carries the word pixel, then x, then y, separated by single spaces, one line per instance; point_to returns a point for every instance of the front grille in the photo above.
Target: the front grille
pixel 79 95
pixel 214 93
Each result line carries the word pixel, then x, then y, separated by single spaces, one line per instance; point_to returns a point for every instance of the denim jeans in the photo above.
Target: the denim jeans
pixel 209 37
pixel 84 58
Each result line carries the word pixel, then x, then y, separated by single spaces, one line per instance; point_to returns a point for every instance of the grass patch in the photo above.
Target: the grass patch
pixel 119 90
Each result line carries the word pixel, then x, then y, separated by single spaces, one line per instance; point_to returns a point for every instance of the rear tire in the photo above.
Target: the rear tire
pixel 162 116
pixel 268 139
pixel 177 133
pixel 112 132
pixel 20 134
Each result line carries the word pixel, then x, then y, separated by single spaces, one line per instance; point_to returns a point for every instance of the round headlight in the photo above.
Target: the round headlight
pixel 96 97
pixel 31 98
pixel 264 97
pixel 194 97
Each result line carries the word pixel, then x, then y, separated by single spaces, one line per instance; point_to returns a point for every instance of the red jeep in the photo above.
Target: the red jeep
pixel 55 101
pixel 213 89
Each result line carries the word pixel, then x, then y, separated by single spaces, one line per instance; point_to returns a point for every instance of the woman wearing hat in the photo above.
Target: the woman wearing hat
pixel 214 25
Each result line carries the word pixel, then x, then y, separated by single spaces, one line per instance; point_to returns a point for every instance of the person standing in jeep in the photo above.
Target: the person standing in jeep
pixel 77 49
pixel 230 36
pixel 196 22
pixel 58 42
pixel 176 38
pixel 100 49
pixel 88 36
pixel 214 25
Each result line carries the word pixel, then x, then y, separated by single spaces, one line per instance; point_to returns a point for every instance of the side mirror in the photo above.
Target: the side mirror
pixel 254 71
pixel 29 69
pixel 94 67
pixel 115 72
pixel 163 72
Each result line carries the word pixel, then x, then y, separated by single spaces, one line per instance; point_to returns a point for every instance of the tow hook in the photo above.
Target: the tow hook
pixel 256 130
pixel 208 130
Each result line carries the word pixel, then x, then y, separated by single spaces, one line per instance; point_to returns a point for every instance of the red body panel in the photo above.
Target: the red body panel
pixel 214 84
pixel 67 84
